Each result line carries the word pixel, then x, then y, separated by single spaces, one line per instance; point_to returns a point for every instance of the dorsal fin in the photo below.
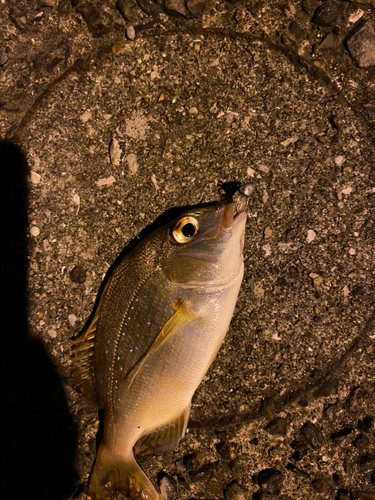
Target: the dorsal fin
pixel 83 372
pixel 167 436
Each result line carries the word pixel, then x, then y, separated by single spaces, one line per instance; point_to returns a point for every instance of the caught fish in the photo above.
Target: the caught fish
pixel 158 326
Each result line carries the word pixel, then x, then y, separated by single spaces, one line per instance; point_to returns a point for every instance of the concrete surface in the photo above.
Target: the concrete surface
pixel 115 132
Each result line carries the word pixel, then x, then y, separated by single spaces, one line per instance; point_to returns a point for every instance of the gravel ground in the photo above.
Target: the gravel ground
pixel 101 133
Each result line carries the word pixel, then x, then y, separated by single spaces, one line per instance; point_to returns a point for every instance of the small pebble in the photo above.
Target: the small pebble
pixel 130 33
pixel 34 231
pixel 86 116
pixel 267 232
pixel 106 182
pixel 154 181
pixel 3 58
pixel 267 250
pixel 132 163
pixel 72 318
pixel 35 178
pixel 313 435
pixel 52 333
pixel 167 487
pixel 264 168
pixel 247 189
pixel 352 251
pixel 311 235
pixel 50 3
pixel 193 111
pixel 355 16
pixel 339 160
pixel 258 291
pixel 115 152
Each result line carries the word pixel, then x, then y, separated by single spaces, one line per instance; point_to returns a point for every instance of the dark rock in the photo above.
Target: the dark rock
pixel 78 274
pixel 277 426
pixel 313 435
pixel 331 42
pixel 290 233
pixel 127 9
pixel 327 14
pixel 176 8
pixel 196 7
pixel 3 57
pixel 271 481
pixel 361 45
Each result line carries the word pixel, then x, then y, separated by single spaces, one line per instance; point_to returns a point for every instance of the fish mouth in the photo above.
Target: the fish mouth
pixel 234 223
pixel 231 219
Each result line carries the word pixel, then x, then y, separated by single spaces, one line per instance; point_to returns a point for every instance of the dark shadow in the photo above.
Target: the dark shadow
pixel 38 436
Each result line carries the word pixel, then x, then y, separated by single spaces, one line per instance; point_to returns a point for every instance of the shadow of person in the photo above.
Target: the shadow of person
pixel 38 436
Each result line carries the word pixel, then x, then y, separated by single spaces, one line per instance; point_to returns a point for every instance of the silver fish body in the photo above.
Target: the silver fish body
pixel 159 324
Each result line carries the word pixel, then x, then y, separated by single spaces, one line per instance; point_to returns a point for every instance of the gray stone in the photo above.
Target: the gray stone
pixel 362 45
pixel 328 13
pixel 331 42
pixel 130 33
pixel 176 8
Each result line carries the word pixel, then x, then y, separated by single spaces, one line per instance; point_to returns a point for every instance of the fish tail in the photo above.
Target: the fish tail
pixel 119 473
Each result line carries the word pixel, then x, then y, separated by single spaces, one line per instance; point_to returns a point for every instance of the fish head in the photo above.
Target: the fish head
pixel 205 247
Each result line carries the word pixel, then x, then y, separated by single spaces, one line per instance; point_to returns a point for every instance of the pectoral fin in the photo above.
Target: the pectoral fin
pixel 179 319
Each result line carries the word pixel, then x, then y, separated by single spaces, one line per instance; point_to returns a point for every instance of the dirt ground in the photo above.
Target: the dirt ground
pixel 101 133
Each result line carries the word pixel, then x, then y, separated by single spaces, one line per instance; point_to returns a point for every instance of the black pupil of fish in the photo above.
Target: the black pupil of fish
pixel 188 230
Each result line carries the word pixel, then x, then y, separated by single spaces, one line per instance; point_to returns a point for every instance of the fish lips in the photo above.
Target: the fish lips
pixel 234 224
pixel 230 221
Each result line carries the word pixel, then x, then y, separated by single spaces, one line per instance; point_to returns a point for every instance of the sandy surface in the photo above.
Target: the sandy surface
pixel 112 133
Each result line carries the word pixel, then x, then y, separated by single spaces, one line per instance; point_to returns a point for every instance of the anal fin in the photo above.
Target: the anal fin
pixel 167 436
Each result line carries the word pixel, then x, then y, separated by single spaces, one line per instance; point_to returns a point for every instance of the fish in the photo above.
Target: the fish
pixel 157 327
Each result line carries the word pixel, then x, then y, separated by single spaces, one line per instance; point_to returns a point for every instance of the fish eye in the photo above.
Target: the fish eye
pixel 185 229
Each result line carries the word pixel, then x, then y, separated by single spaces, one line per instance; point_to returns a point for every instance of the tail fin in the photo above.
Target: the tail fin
pixel 117 473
